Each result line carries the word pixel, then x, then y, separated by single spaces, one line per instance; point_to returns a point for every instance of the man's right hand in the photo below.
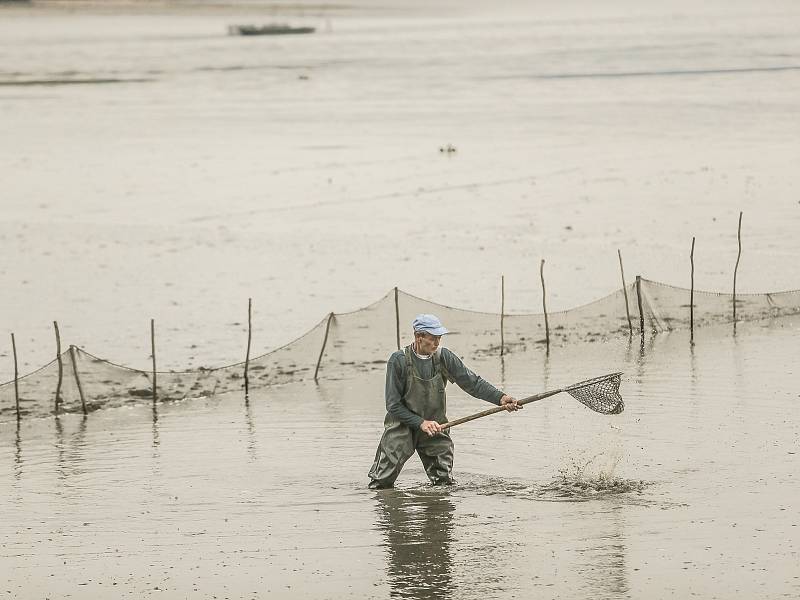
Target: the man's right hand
pixel 430 427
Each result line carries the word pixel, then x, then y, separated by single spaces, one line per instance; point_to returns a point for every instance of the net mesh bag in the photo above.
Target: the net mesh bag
pixel 601 394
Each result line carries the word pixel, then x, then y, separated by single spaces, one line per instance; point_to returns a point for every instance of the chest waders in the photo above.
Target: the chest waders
pixel 426 398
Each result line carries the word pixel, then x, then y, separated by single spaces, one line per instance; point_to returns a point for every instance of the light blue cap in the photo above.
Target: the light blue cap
pixel 429 324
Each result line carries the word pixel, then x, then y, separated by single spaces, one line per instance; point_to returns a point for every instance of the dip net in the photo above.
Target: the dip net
pixel 344 344
pixel 601 394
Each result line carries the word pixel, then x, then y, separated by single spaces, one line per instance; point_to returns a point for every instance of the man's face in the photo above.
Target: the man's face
pixel 427 343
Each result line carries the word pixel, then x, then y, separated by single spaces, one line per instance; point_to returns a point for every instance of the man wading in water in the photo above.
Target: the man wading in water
pixel 415 406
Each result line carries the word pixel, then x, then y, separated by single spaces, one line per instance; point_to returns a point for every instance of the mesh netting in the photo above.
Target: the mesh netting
pixel 601 394
pixel 666 307
pixel 362 340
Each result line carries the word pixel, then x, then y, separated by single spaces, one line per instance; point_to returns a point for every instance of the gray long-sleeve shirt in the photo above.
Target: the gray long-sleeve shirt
pixel 396 382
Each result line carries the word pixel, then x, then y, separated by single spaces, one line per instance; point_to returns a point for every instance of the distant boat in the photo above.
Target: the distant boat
pixel 268 29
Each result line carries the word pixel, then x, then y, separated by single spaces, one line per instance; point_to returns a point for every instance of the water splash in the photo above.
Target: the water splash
pixel 594 477
pixel 584 479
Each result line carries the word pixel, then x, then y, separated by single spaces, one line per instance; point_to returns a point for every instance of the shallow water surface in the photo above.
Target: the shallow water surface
pixel 690 490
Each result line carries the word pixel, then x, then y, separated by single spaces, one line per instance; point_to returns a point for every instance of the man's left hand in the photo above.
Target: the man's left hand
pixel 510 404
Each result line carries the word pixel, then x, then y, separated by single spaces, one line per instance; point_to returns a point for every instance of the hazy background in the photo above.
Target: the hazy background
pixel 153 166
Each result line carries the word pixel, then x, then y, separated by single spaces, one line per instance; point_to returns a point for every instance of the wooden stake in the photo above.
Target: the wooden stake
pixel 153 350
pixel 544 306
pixel 16 374
pixel 736 268
pixel 77 377
pixel 249 339
pixel 639 301
pixel 691 298
pixel 60 366
pixel 396 316
pixel 502 313
pixel 625 291
pixel 324 342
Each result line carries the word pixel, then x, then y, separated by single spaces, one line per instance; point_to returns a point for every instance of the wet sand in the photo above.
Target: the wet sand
pixel 219 498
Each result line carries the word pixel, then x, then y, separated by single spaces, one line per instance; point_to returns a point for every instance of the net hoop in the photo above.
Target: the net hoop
pixel 601 394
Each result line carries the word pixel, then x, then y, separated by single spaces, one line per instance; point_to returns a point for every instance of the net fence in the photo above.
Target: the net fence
pixel 343 344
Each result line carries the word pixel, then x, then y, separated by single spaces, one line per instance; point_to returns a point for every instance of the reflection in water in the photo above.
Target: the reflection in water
pixel 329 399
pixel 18 453
pixel 418 528
pixel 641 357
pixel 70 457
pixel 251 431
pixel 156 463
pixel 59 446
pixel 694 400
pixel 547 368
pixel 741 374
pixel 604 569
pixel 547 371
pixel 156 441
pixel 629 351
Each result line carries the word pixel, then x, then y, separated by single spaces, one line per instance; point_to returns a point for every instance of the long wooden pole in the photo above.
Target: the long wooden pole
pixel 541 396
pixel 153 353
pixel 60 366
pixel 544 306
pixel 502 313
pixel 396 315
pixel 16 374
pixel 736 268
pixel 625 292
pixel 639 301
pixel 249 339
pixel 324 342
pixel 691 298
pixel 77 377
pixel 497 409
